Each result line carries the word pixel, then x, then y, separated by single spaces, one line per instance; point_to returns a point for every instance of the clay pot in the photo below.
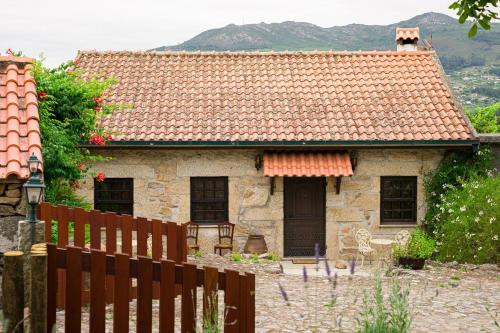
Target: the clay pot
pixel 255 244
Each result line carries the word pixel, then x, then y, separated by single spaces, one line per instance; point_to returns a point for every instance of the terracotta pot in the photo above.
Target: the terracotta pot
pixel 255 244
pixel 413 263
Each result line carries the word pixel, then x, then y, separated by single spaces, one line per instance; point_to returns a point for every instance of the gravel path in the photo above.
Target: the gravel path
pixel 442 299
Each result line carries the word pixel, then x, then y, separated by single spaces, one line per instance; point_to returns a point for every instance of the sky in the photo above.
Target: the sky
pixel 58 29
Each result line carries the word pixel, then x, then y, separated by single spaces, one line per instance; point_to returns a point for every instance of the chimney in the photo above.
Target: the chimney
pixel 407 39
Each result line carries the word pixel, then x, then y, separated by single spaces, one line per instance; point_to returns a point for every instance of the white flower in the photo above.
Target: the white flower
pixel 476 219
pixel 462 209
pixel 495 237
pixel 481 213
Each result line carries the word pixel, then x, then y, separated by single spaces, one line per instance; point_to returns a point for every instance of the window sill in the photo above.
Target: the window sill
pixel 403 225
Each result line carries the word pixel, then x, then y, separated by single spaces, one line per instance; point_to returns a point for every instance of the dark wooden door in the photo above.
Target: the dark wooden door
pixel 304 205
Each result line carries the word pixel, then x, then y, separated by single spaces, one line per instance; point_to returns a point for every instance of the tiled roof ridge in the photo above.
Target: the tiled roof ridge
pixel 257 53
pixel 19 118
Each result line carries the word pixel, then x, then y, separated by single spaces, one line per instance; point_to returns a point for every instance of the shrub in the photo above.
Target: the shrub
pixel 419 246
pixel 254 258
pixel 469 230
pixel 455 168
pixel 485 119
pixel 235 256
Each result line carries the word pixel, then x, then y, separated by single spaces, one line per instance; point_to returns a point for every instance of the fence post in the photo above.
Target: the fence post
pixel 13 291
pixel 38 289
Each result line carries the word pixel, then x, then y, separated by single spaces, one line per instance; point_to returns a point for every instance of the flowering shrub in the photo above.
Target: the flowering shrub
pixel 68 118
pixel 455 168
pixel 469 227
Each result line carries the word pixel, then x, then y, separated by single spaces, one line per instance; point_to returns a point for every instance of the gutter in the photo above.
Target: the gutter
pixel 294 144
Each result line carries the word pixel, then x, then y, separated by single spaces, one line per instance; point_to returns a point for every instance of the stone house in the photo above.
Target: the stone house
pixel 302 147
pixel 19 138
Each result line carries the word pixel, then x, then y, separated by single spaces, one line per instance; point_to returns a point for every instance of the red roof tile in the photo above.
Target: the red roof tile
pixel 307 164
pixel 19 127
pixel 278 96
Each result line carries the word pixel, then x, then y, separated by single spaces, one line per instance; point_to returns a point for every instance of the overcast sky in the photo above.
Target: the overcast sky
pixel 59 28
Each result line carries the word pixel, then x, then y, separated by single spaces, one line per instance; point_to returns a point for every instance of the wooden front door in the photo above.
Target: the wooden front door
pixel 304 205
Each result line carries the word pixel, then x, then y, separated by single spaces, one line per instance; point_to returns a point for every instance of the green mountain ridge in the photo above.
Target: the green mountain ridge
pixel 473 65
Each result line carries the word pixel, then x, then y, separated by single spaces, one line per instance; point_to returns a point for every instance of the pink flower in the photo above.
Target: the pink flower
pixel 80 166
pixel 98 100
pixel 97 109
pixel 69 71
pixel 76 62
pixel 109 137
pixel 97 139
pixel 42 95
pixel 100 177
pixel 9 51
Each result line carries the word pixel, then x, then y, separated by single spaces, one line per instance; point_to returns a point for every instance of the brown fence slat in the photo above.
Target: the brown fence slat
pixel 156 251
pixel 188 315
pixel 142 236
pixel 172 241
pixel 250 302
pixel 210 298
pixel 126 227
pixel 51 286
pixel 80 217
pixel 231 300
pixel 95 218
pixel 167 297
pixel 181 243
pixel 73 304
pixel 110 221
pixel 242 309
pixel 121 296
pixel 45 210
pixel 144 294
pixel 62 225
pixel 97 301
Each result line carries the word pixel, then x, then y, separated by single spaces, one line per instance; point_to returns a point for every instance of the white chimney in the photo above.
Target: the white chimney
pixel 407 39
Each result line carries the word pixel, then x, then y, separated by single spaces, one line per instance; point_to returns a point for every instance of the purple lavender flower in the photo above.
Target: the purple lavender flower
pixel 335 280
pixel 352 266
pixel 284 294
pixel 327 270
pixel 316 255
pixel 304 273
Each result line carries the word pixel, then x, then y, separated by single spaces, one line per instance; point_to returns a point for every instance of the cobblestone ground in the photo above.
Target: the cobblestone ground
pixel 443 299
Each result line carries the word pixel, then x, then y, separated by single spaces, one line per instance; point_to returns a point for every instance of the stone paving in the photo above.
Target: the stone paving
pixel 443 299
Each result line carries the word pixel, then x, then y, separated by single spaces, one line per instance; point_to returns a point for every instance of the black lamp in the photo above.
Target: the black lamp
pixel 34 190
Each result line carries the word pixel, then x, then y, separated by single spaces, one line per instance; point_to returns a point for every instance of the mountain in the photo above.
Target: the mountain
pixel 473 65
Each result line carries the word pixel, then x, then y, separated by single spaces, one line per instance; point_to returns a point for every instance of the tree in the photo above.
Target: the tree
pixel 480 11
pixel 485 120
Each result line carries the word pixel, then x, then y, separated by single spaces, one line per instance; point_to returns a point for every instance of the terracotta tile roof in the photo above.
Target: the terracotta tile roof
pixel 407 33
pixel 278 96
pixel 307 164
pixel 19 127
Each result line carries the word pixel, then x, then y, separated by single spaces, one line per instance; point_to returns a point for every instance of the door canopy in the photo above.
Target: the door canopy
pixel 307 164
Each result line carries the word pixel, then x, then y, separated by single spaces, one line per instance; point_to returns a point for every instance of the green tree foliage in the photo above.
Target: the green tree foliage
pixel 480 11
pixel 485 119
pixel 69 108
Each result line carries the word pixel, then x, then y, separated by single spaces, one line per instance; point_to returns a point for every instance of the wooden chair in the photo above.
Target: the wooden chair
pixel 192 230
pixel 226 232
pixel 363 238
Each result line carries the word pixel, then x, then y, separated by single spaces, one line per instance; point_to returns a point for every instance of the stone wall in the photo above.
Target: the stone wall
pixel 12 210
pixel 161 190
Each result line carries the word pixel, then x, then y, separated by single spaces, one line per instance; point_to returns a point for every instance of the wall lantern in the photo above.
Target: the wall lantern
pixel 34 190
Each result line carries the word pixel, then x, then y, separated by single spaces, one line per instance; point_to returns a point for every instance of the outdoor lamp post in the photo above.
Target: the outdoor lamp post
pixel 34 189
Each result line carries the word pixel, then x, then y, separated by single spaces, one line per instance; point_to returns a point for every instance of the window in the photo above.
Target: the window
pixel 398 200
pixel 209 199
pixel 114 195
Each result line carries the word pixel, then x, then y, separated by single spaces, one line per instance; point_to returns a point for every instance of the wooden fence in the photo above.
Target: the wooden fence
pixel 239 292
pixel 73 224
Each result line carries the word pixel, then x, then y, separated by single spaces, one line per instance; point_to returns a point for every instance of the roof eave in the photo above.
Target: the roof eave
pixel 268 144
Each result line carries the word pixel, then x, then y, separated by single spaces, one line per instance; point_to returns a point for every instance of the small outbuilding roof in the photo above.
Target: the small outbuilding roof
pixel 277 97
pixel 19 120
